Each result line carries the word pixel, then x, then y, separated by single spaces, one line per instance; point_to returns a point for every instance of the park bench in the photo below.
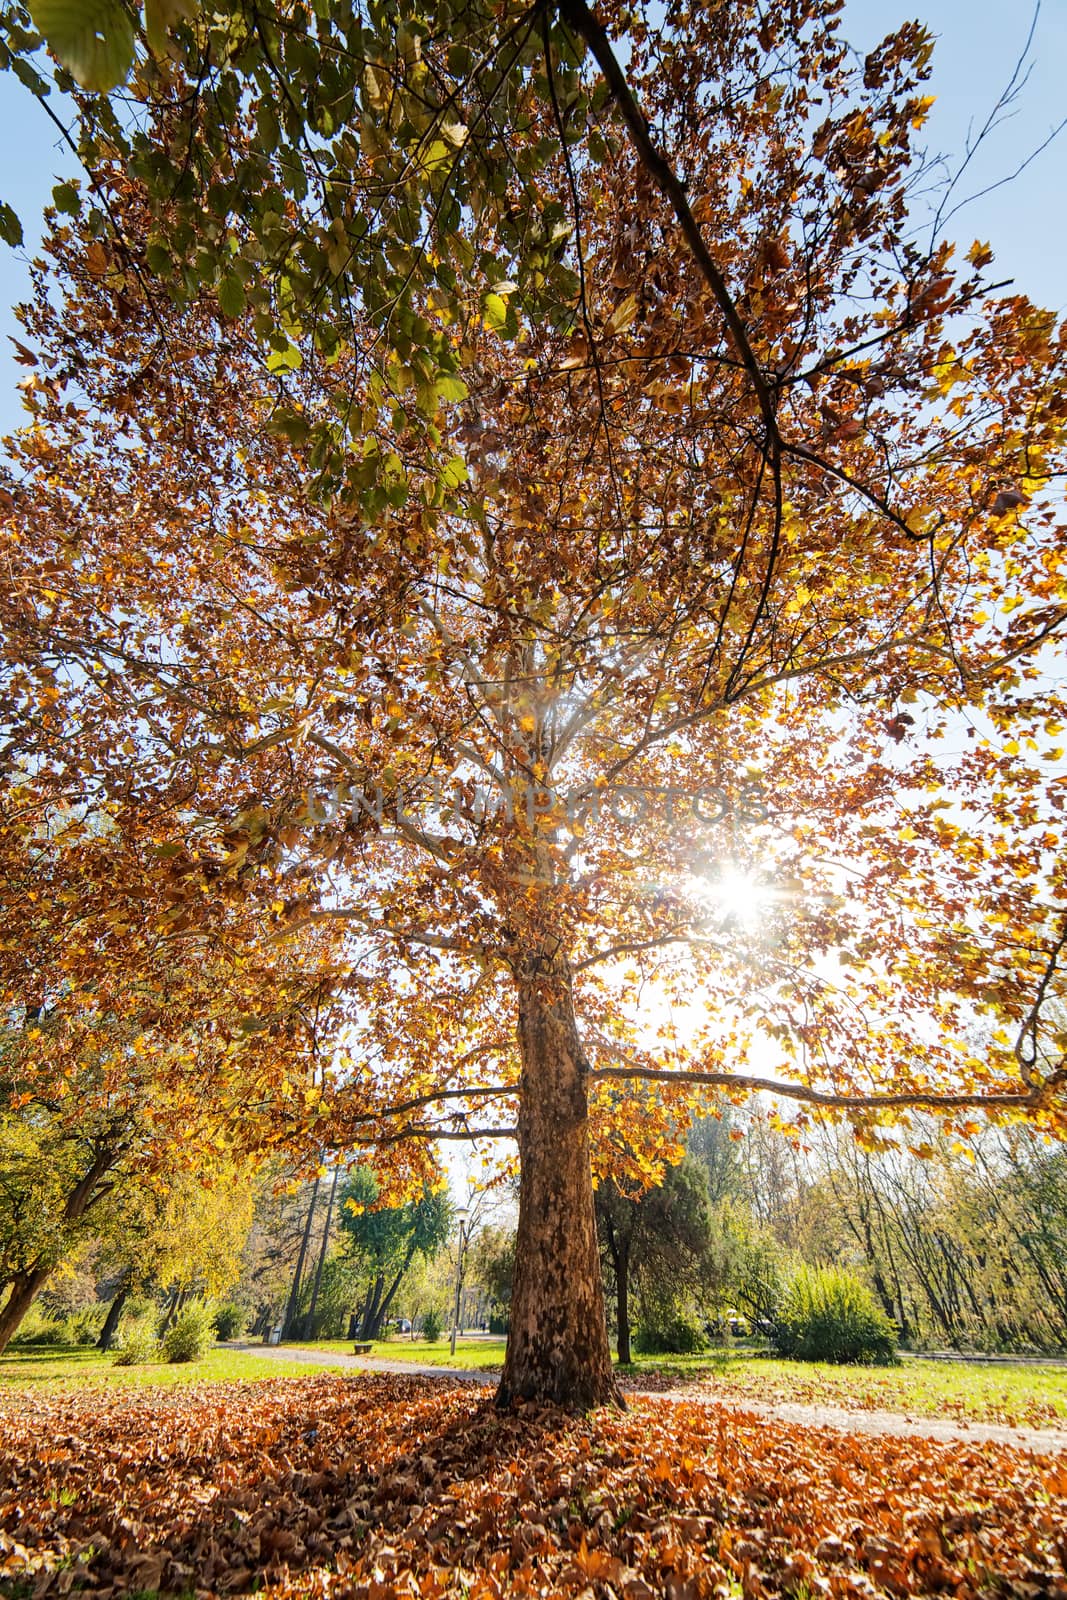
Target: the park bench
pixel 362 1348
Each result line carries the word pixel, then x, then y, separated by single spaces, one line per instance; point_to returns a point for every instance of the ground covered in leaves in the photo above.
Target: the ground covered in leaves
pixel 375 1487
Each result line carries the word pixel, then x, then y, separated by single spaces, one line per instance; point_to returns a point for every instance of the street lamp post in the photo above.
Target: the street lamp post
pixel 462 1217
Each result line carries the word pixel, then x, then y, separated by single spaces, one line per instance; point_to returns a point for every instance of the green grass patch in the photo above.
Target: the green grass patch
pixel 1023 1396
pixel 471 1354
pixel 76 1365
pixel 1019 1395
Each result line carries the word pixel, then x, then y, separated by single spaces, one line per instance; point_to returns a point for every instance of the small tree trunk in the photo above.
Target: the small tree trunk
pixel 309 1321
pixel 622 1300
pixel 363 1313
pixel 289 1321
pixel 383 1309
pixel 24 1288
pixel 168 1315
pixel 558 1339
pixel 114 1316
pixel 25 1285
pixel 372 1314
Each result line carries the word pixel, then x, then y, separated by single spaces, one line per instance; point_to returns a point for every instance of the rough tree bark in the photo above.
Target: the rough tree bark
pixel 557 1338
pixel 24 1289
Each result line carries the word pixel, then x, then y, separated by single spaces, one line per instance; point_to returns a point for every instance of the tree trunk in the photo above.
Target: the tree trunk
pixel 289 1320
pixel 372 1313
pixel 622 1301
pixel 114 1315
pixel 364 1312
pixel 309 1320
pixel 383 1309
pixel 24 1287
pixel 557 1339
pixel 168 1315
pixel 619 1249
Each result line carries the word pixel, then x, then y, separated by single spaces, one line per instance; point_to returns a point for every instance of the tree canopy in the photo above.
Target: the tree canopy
pixel 549 516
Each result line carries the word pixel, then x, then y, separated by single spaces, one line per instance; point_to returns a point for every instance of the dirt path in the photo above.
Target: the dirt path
pixel 1045 1441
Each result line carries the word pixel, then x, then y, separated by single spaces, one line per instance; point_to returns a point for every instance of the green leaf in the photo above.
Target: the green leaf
pixel 92 38
pixel 496 312
pixel 449 387
pixel 162 15
pixel 453 473
pixel 232 300
pixel 288 360
pixel 10 227
pixel 159 257
pixel 291 424
pixel 67 198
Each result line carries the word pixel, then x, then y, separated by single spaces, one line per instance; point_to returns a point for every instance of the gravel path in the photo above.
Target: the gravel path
pixel 1045 1441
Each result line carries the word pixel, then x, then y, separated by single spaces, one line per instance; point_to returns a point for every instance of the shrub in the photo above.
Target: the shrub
pixel 829 1315
pixel 139 1344
pixel 229 1322
pixel 85 1327
pixel 432 1325
pixel 37 1327
pixel 672 1333
pixel 191 1334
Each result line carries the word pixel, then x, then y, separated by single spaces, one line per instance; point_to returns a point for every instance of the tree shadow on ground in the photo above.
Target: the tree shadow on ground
pixel 386 1486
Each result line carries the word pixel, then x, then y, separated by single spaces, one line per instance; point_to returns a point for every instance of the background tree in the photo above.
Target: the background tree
pixel 136 1046
pixel 657 1239
pixel 612 438
pixel 271 1250
pixel 491 1263
pixel 386 1240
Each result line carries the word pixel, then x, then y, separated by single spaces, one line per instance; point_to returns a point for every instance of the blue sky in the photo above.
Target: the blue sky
pixel 979 43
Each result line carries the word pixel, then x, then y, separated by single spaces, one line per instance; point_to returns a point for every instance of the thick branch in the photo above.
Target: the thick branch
pixel 441 1133
pixel 431 1099
pixel 821 1097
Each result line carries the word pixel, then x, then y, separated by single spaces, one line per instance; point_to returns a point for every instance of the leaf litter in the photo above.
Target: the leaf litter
pixel 387 1486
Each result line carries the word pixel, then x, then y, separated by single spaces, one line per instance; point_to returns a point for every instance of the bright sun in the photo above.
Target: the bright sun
pixel 733 895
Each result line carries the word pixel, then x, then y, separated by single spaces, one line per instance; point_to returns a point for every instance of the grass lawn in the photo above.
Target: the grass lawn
pixel 470 1353
pixel 1025 1396
pixel 76 1365
pixel 1028 1396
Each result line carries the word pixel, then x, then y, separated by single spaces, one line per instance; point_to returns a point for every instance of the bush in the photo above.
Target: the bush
pixel 432 1325
pixel 139 1344
pixel 672 1334
pixel 37 1327
pixel 191 1334
pixel 78 1327
pixel 85 1327
pixel 829 1315
pixel 229 1322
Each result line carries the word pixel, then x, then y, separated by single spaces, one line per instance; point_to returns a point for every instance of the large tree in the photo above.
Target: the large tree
pixel 563 496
